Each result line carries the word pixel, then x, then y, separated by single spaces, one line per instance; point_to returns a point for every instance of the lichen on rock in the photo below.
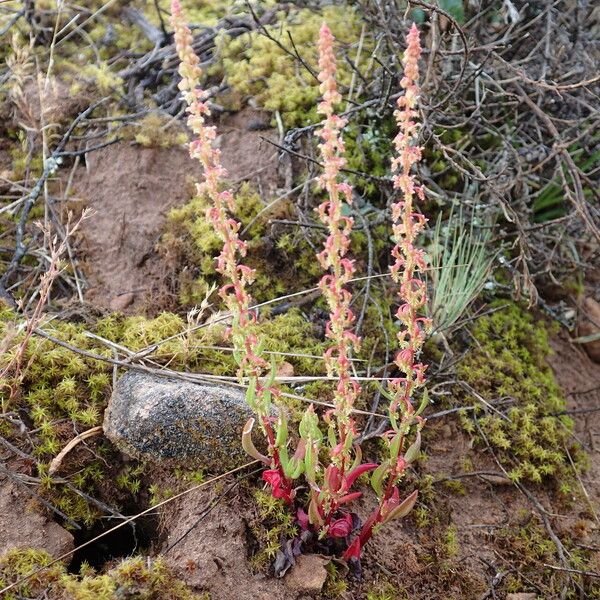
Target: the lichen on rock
pixel 160 418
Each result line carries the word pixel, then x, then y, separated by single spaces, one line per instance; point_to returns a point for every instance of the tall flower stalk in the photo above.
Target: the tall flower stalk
pixel 330 474
pixel 254 370
pixel 406 272
pixel 344 467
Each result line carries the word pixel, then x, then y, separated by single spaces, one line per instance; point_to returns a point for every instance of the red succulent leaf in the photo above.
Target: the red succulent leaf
pixel 349 497
pixel 280 488
pixel 341 527
pixel 333 478
pixel 337 450
pixel 302 519
pixel 353 550
pixel 394 500
pixel 355 473
pixel 272 477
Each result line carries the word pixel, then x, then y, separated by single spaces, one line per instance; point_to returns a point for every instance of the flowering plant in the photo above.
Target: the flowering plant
pixel 258 374
pixel 332 462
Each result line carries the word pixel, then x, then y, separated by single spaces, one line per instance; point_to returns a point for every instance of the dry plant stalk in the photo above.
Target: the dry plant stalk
pixel 11 376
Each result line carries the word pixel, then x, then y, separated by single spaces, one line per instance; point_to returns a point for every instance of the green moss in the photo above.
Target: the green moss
pixel 369 146
pixel 508 362
pixel 451 546
pixel 24 164
pixel 525 542
pixel 256 66
pixel 455 487
pixel 384 590
pixel 155 130
pixel 136 577
pixel 18 563
pixel 63 392
pixel 336 584
pixel 274 523
pixel 283 264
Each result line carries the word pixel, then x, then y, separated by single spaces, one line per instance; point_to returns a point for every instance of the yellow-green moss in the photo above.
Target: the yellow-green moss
pixel 274 523
pixel 508 361
pixel 256 66
pixel 155 130
pixel 369 148
pixel 336 584
pixel 205 13
pixel 283 265
pixel 63 392
pixel 136 577
pixel 526 543
pixel 384 590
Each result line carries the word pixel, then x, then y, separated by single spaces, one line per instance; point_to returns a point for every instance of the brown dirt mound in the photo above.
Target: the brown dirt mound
pixel 22 524
pixel 131 189
pixel 579 377
pixel 213 555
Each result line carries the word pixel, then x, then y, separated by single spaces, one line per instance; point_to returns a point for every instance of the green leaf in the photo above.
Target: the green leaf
pixel 454 7
pixel 378 477
pixel 403 509
pixel 413 451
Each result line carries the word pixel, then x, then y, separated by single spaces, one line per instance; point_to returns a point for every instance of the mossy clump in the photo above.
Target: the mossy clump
pixel 284 263
pixel 155 130
pixel 336 584
pixel 136 577
pixel 507 362
pixel 63 392
pixel 256 66
pixel 203 13
pixel 274 523
pixel 385 590
pixel 25 165
pixel 369 147
pixel 526 543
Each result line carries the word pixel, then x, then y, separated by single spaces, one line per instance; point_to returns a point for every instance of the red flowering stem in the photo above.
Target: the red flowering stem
pixel 409 263
pixel 408 223
pixel 339 272
pixel 332 258
pixel 252 367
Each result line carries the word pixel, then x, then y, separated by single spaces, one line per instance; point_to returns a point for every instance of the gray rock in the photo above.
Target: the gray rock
pixel 159 418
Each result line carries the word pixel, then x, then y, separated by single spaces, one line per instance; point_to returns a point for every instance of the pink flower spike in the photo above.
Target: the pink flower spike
pixel 333 257
pixel 406 272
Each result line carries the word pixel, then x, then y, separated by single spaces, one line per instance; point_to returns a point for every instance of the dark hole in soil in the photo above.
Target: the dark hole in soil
pixel 127 540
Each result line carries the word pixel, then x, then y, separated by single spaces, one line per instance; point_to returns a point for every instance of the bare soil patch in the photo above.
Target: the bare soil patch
pixel 131 190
